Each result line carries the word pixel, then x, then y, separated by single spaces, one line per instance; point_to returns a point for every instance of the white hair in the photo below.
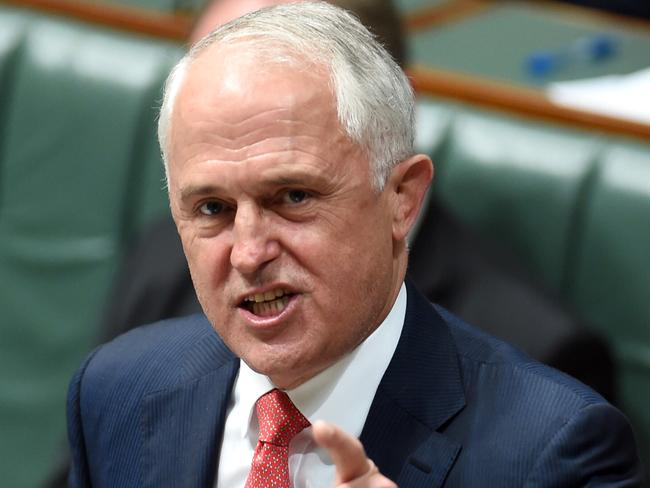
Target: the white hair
pixel 374 99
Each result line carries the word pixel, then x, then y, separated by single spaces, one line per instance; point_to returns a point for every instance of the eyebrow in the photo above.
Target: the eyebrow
pixel 288 181
pixel 295 177
pixel 193 191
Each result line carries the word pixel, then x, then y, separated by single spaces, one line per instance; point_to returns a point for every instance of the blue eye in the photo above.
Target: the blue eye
pixel 296 196
pixel 211 208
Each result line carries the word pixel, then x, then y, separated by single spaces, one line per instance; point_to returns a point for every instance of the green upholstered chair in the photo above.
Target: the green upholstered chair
pixel 611 282
pixel 11 29
pixel 519 181
pixel 79 173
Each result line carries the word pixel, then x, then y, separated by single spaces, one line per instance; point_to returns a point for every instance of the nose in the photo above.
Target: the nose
pixel 253 245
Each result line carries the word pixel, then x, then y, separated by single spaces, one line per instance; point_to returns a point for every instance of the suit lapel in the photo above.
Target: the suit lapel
pixel 420 391
pixel 183 425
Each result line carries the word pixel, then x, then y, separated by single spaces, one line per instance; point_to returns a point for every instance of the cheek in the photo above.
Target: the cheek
pixel 343 250
pixel 207 259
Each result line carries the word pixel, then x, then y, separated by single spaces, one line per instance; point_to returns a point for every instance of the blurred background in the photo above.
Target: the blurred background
pixel 535 113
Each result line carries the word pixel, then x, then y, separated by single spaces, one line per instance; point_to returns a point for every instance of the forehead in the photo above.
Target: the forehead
pixel 233 90
pixel 234 107
pixel 234 82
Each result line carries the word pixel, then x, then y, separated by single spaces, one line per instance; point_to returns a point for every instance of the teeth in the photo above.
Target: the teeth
pixel 266 297
pixel 266 309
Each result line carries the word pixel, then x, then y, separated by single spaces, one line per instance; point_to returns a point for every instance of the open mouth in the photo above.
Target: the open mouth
pixel 267 304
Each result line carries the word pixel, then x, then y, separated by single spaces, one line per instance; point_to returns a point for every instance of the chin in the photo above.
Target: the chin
pixel 285 369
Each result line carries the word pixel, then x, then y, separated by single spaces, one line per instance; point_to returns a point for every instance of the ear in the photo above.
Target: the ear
pixel 407 185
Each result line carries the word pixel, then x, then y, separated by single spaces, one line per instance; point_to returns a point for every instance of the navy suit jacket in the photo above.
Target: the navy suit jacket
pixel 456 407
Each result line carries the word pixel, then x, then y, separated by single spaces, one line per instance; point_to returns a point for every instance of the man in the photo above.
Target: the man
pixel 293 184
pixel 449 265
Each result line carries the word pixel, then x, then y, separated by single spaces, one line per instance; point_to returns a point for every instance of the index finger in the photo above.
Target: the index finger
pixel 346 451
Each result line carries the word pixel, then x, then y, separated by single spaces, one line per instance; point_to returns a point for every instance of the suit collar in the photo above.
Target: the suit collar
pixel 421 390
pixel 183 425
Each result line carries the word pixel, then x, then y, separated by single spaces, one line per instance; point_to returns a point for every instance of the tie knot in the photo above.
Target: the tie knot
pixel 279 418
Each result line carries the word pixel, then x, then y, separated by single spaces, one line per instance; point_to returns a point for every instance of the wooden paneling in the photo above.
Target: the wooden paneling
pixel 168 26
pixel 451 11
pixel 516 100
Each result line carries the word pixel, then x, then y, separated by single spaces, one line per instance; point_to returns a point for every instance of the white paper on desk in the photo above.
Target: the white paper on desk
pixel 622 96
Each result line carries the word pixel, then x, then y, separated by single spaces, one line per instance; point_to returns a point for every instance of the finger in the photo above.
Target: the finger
pixel 346 452
pixel 372 479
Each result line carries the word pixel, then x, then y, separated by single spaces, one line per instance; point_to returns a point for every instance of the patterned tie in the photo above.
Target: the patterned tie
pixel 279 421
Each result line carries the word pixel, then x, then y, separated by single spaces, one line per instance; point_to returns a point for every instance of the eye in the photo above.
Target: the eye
pixel 295 196
pixel 211 208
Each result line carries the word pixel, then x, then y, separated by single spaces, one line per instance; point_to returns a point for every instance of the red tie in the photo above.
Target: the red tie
pixel 279 421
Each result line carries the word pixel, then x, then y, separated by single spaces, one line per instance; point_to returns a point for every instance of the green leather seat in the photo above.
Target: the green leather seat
pixel 79 176
pixel 12 25
pixel 611 286
pixel 518 182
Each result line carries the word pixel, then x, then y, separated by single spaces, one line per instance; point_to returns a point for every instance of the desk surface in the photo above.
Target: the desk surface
pixel 495 43
pixel 479 58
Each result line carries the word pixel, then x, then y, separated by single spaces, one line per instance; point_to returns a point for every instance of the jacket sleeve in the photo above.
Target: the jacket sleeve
pixel 79 472
pixel 595 447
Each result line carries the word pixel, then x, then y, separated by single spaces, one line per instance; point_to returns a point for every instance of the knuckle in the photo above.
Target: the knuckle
pixel 383 482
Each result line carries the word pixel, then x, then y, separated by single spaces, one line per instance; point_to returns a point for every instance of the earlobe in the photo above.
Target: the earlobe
pixel 409 181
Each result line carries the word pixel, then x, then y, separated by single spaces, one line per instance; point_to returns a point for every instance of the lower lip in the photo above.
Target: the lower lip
pixel 272 321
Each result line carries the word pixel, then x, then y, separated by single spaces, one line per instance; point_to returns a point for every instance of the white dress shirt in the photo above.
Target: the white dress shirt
pixel 352 381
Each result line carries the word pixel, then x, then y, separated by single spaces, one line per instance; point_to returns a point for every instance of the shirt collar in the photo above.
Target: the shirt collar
pixel 352 380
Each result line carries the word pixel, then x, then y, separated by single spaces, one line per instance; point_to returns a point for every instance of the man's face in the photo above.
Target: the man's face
pixel 289 246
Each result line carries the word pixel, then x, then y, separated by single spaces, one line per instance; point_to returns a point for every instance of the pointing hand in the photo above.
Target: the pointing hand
pixel 353 468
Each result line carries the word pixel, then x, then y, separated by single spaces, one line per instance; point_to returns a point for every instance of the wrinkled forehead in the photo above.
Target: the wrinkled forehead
pixel 230 100
pixel 249 74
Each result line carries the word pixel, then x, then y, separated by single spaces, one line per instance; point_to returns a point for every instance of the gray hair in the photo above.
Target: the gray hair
pixel 374 99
